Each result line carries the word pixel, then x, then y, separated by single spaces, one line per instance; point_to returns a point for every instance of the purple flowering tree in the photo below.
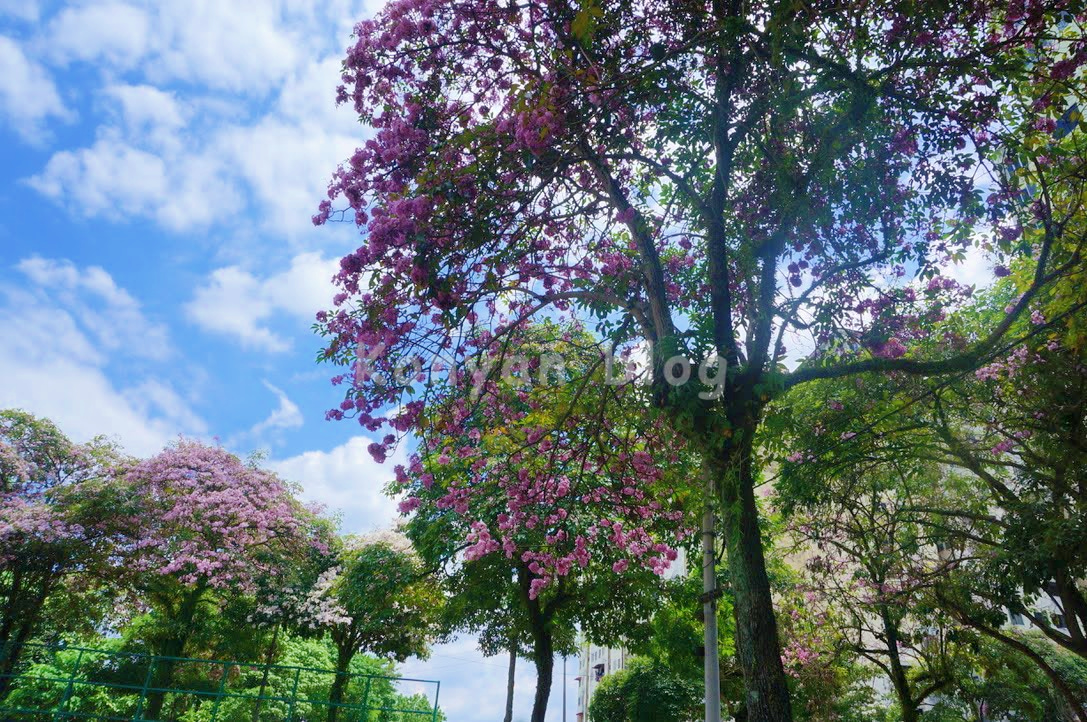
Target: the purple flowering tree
pixel 752 187
pixel 205 526
pixel 56 535
pixel 529 504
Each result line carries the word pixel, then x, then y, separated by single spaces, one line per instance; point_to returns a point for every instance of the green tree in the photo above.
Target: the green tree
pixel 645 691
pixel 376 599
pixel 58 544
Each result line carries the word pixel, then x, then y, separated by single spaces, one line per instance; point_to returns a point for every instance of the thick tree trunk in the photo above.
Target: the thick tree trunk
pixel 712 668
pixel 13 652
pixel 757 646
pixel 20 620
pixel 162 678
pixel 545 666
pixel 344 655
pixel 543 646
pixel 901 683
pixel 509 685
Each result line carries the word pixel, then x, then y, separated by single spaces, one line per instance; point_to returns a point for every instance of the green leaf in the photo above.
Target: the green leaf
pixel 584 23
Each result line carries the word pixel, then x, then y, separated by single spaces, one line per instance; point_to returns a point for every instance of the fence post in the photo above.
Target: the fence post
pixel 222 691
pixel 294 694
pixel 143 690
pixel 68 690
pixel 437 691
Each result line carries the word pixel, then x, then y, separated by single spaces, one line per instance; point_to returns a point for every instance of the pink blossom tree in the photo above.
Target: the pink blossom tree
pixel 704 182
pixel 205 527
pixel 528 504
pixel 56 535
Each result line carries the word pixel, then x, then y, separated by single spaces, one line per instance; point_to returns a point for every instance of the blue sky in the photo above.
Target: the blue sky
pixel 159 163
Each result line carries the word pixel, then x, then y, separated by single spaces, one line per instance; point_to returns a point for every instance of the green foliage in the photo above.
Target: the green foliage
pixel 1013 688
pixel 645 691
pixel 387 604
pixel 675 638
pixel 302 672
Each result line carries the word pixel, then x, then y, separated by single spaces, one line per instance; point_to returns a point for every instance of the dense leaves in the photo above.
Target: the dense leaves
pixel 713 181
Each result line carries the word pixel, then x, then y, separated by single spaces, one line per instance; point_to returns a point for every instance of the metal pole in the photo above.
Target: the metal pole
pixel 563 688
pixel 146 683
pixel 712 670
pixel 437 689
pixel 219 696
pixel 68 689
pixel 294 695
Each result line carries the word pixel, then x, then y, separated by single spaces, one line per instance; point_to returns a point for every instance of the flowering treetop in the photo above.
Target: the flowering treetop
pixel 375 599
pixel 704 177
pixel 205 518
pixel 747 183
pixel 52 492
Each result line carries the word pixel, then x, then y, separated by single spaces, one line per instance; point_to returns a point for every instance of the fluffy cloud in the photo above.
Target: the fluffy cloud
pixel 178 147
pixel 116 33
pixel 63 332
pixel 149 113
pixel 346 480
pixel 116 180
pixel 236 303
pixel 286 415
pixel 28 96
pixel 107 312
pixel 184 160
pixel 241 48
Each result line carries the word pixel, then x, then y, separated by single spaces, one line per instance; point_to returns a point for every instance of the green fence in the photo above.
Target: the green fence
pixel 60 682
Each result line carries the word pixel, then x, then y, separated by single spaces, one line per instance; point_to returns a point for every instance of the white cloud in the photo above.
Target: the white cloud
pixel 346 480
pixel 236 303
pixel 236 47
pixel 149 113
pixel 286 167
pixel 114 32
pixel 239 47
pixel 286 415
pixel 107 312
pixel 28 96
pixel 115 180
pixel 176 159
pixel 25 10
pixel 54 359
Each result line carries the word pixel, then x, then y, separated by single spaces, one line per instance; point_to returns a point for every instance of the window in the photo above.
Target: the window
pixel 598 672
pixel 1017 619
pixel 1058 621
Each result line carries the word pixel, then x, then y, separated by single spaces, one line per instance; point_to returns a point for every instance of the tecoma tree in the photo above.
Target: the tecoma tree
pixel 511 520
pixel 729 183
pixel 56 502
pixel 376 599
pixel 204 527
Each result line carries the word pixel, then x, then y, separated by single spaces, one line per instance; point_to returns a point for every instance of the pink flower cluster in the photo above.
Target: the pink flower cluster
pixel 203 516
